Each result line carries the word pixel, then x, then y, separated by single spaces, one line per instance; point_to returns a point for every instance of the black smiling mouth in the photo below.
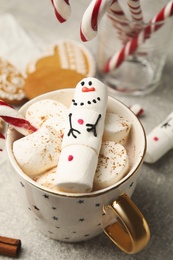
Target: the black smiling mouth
pixel 89 102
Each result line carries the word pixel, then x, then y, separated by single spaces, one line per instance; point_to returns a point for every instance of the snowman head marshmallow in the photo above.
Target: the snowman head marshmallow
pixel 90 93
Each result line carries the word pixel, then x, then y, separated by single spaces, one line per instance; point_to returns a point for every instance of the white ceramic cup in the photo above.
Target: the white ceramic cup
pixel 77 217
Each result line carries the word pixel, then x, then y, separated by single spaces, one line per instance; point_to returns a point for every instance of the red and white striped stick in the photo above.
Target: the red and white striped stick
pixel 62 9
pixel 92 17
pixel 135 10
pixel 131 46
pixel 117 11
pixel 120 22
pixel 137 109
pixel 14 118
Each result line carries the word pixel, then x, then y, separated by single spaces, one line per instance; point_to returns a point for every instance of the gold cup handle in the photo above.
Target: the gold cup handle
pixel 131 232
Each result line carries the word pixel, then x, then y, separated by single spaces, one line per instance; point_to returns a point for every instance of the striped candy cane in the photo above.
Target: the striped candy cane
pixel 14 118
pixel 92 17
pixel 131 46
pixel 137 110
pixel 62 9
pixel 119 20
pixel 135 9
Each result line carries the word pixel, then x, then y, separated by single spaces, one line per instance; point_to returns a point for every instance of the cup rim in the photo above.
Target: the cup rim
pixel 30 181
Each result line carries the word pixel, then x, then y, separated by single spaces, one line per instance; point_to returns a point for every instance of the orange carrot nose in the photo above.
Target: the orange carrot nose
pixel 85 89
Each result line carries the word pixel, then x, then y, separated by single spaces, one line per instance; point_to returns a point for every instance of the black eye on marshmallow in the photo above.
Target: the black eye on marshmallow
pixel 82 83
pixel 90 83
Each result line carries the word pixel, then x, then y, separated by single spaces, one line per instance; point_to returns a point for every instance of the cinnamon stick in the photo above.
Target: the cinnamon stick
pixel 9 246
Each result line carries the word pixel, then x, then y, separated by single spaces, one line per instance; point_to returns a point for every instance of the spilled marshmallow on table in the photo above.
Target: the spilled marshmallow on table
pixel 160 140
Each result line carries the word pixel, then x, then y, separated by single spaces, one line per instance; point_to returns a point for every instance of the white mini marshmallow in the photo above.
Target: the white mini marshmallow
pixel 47 179
pixel 159 140
pixel 58 125
pixel 76 169
pixel 39 151
pixel 44 109
pixel 116 128
pixel 113 164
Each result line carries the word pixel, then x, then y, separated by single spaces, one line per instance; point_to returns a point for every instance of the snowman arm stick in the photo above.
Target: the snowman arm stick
pixel 166 124
pixel 72 130
pixel 92 127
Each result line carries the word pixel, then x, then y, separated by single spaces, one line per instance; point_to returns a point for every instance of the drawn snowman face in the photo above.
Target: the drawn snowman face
pixel 91 94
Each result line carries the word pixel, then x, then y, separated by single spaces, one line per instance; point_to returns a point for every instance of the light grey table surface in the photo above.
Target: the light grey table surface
pixel 154 192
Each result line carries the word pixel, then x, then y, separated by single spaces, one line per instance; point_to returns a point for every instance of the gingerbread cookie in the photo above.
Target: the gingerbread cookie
pixel 48 79
pixel 63 66
pixel 11 84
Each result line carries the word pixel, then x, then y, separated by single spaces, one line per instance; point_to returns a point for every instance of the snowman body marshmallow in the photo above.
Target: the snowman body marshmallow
pixel 82 137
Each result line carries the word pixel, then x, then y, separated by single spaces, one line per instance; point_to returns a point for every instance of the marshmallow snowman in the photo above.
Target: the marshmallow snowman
pixel 82 137
pixel 160 140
